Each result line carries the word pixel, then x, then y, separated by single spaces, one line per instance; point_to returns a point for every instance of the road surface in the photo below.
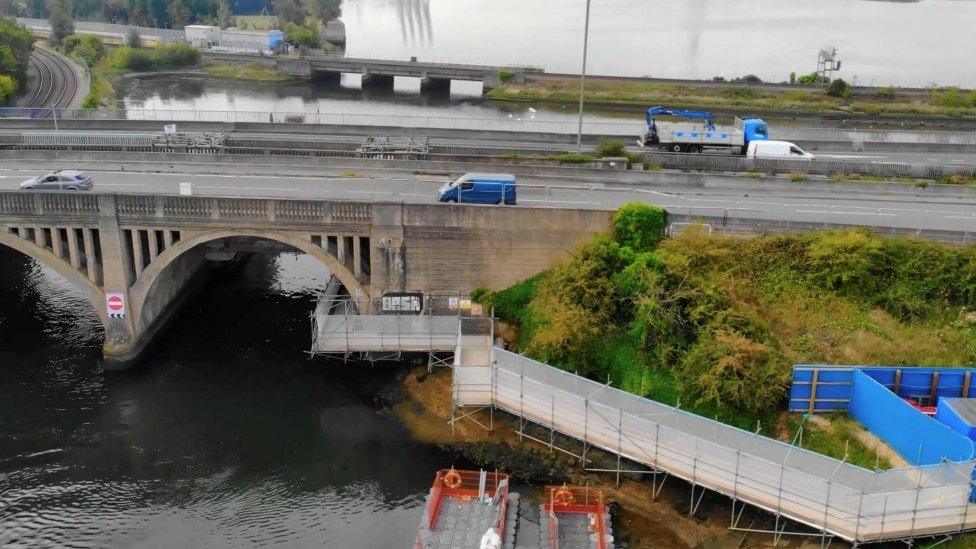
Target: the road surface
pixel 788 203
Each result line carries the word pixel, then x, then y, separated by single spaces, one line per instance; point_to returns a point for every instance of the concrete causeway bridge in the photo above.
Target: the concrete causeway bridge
pixel 136 256
pixel 433 75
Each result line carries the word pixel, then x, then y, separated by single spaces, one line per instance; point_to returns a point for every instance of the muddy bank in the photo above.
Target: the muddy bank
pixel 423 404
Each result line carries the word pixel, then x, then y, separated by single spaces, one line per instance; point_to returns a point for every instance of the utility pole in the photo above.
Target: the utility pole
pixel 586 36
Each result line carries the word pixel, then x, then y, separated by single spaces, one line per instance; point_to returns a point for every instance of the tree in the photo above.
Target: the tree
pixel 225 18
pixel 290 11
pixel 840 88
pixel 326 10
pixel 178 14
pixel 61 21
pixel 301 36
pixel 18 41
pixel 133 39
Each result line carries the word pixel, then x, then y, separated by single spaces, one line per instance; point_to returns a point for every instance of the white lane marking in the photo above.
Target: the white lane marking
pixel 851 156
pixel 762 203
pixel 832 212
pixel 960 216
pixel 236 188
pixel 800 205
pixel 121 184
pixel 897 209
pixel 944 212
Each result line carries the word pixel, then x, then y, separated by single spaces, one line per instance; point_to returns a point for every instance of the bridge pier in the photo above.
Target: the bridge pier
pixel 329 77
pixel 377 80
pixel 435 85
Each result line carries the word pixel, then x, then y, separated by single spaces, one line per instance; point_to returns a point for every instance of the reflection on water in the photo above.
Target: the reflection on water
pixel 228 437
pixel 881 43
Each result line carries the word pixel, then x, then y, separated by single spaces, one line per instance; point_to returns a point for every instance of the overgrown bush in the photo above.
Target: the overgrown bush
pixel 15 48
pixel 885 92
pixel 574 158
pixel 8 87
pixel 610 148
pixel 840 88
pixel 172 56
pixel 83 46
pixel 301 35
pixel 953 97
pixel 718 322
pixel 505 76
pixel 639 226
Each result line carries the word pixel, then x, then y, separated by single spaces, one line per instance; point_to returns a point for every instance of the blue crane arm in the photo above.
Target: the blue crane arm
pixel 655 111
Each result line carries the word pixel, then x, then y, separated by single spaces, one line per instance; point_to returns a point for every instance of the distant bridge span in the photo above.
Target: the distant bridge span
pixel 151 248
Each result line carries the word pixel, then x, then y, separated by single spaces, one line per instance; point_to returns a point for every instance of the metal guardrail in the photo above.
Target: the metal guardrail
pixel 163 35
pixel 624 128
pixel 420 150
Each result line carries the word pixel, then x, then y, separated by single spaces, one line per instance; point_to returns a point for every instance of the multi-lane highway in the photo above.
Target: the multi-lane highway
pixel 750 199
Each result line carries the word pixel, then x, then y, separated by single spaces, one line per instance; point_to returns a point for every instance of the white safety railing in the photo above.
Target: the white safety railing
pixel 827 494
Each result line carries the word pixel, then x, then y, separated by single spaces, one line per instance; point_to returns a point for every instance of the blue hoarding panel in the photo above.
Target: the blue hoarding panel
pixel 916 437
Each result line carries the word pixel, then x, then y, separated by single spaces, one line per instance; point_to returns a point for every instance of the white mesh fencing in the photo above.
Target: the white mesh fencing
pixel 824 493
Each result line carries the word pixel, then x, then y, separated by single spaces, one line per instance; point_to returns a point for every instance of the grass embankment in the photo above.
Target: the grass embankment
pixel 252 73
pixel 945 102
pixel 716 323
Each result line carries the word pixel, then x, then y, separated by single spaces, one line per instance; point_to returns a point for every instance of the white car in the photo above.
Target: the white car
pixel 777 149
pixel 60 180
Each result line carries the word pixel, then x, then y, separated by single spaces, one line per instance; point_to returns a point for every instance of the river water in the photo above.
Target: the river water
pixel 881 43
pixel 906 43
pixel 227 437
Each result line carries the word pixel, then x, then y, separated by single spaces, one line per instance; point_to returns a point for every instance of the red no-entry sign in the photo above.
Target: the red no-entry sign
pixel 115 304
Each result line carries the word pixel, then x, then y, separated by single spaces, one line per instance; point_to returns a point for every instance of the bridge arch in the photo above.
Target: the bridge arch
pixel 77 278
pixel 145 293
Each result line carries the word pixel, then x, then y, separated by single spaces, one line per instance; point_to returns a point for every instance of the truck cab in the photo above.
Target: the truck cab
pixel 480 188
pixel 754 129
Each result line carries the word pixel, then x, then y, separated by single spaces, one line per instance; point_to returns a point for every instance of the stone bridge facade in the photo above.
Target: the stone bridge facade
pixel 149 248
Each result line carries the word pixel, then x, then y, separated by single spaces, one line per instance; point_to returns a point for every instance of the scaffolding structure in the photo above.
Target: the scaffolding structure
pixel 340 332
pixel 831 497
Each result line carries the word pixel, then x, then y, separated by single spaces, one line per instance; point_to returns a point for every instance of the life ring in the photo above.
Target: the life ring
pixel 563 497
pixel 452 479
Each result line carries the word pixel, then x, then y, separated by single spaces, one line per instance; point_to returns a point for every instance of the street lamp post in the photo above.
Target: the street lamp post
pixel 586 36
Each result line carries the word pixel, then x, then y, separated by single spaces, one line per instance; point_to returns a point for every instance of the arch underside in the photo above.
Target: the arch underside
pixel 47 257
pixel 141 292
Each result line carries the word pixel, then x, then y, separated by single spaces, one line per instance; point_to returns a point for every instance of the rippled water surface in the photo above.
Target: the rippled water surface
pixel 228 436
pixel 900 42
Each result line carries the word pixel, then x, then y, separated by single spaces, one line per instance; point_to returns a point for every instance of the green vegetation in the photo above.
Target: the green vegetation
pixel 15 47
pixel 949 102
pixel 254 73
pixel 300 35
pixel 840 88
pixel 505 76
pixel 573 158
pixel 954 98
pixel 838 439
pixel 797 177
pixel 716 323
pixel 83 47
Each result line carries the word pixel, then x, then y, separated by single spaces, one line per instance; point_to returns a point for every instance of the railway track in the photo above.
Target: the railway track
pixel 56 83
